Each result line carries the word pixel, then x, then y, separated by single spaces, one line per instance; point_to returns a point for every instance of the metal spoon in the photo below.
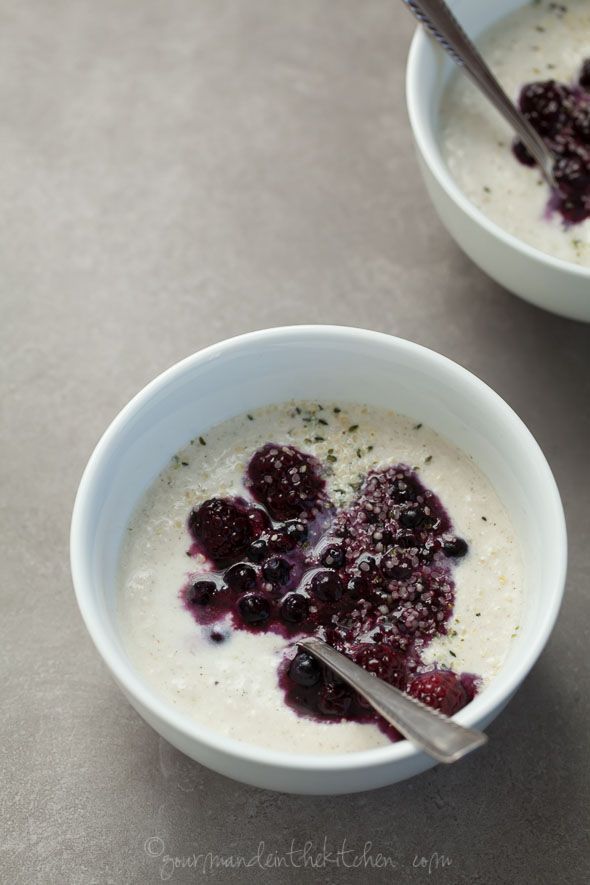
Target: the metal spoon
pixel 438 19
pixel 440 737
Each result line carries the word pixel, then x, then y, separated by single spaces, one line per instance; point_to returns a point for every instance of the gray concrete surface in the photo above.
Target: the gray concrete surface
pixel 172 173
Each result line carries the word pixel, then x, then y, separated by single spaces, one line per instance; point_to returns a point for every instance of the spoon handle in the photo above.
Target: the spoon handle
pixel 439 21
pixel 440 737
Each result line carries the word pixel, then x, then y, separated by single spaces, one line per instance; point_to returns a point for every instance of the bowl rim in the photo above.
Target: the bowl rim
pixel 427 143
pixel 133 684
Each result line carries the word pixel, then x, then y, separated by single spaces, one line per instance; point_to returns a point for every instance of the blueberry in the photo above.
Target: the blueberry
pixel 280 542
pixel 305 670
pixel 357 587
pixel 406 540
pixel 381 536
pixel 403 490
pixel 258 550
pixel 522 154
pixel 294 608
pixel 326 586
pixel 397 567
pixel 368 568
pixel 276 571
pixel 334 700
pixel 201 593
pixel 333 556
pixel 254 609
pixel 455 547
pixel 296 530
pixel 411 518
pixel 240 576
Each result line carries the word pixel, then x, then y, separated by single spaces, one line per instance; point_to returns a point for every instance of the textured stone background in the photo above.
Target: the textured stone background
pixel 172 173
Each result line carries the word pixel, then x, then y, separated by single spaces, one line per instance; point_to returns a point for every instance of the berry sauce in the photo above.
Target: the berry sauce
pixel 373 579
pixel 561 115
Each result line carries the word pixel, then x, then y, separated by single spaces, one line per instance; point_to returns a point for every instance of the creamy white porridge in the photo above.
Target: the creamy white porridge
pixel 542 41
pixel 232 686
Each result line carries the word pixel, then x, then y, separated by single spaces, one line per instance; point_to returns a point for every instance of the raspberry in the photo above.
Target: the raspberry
pixel 542 104
pixel 223 528
pixel 286 481
pixel 381 660
pixel 440 689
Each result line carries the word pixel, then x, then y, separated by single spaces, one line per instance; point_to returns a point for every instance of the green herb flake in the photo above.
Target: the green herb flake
pixel 319 439
pixel 452 653
pixel 184 463
pixel 352 428
pixel 485 519
pixel 370 448
pixel 202 441
pixel 250 417
pixel 418 426
pixel 428 459
pixel 487 189
pixel 331 458
pixel 359 453
pixel 337 410
pixel 323 421
pixel 478 614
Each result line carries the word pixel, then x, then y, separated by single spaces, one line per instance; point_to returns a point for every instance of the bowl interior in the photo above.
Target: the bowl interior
pixel 435 66
pixel 319 363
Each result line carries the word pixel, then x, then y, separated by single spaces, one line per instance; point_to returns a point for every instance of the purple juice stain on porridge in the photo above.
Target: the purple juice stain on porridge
pixel 373 579
pixel 561 115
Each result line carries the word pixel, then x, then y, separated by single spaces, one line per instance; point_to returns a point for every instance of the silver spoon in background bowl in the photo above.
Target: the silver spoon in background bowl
pixel 440 737
pixel 440 22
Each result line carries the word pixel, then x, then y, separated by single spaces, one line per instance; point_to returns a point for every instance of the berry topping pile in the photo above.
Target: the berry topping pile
pixel 561 115
pixel 373 579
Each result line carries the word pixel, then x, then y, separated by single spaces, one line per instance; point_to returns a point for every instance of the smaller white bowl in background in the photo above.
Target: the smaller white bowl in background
pixel 552 283
pixel 312 363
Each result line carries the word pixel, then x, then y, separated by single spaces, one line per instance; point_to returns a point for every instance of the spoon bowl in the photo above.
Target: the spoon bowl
pixel 431 731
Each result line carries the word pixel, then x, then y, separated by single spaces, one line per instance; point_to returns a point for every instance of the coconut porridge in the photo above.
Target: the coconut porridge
pixel 348 522
pixel 541 56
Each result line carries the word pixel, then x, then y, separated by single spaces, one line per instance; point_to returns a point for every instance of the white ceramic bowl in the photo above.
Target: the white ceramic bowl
pixel 317 363
pixel 551 283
